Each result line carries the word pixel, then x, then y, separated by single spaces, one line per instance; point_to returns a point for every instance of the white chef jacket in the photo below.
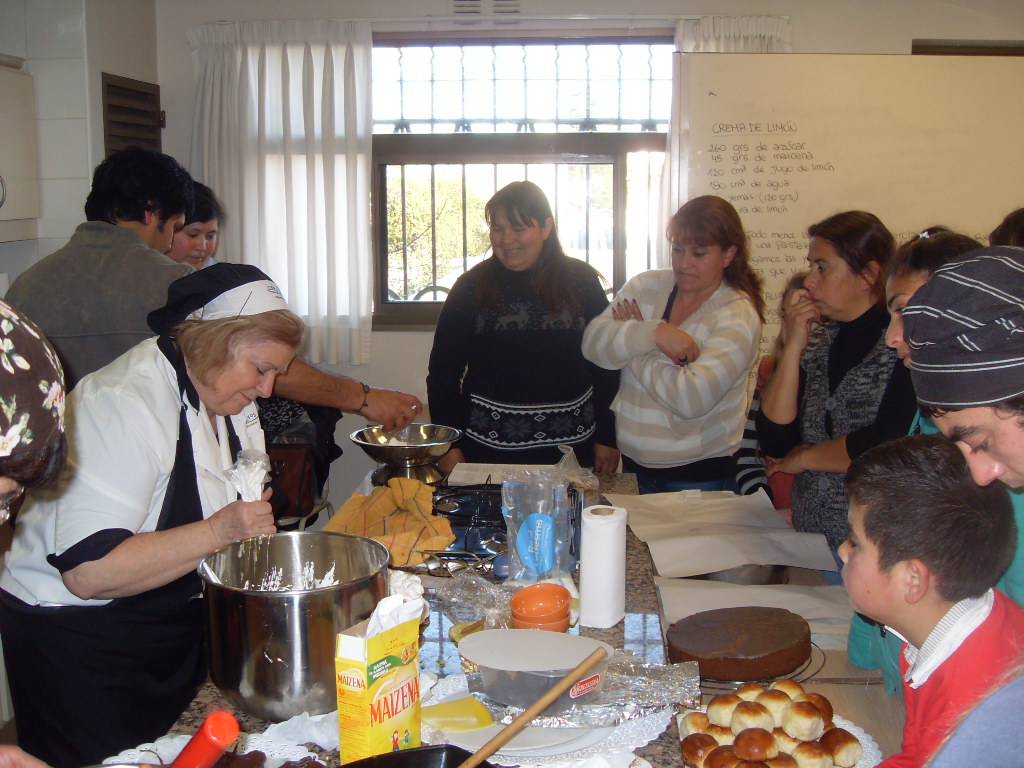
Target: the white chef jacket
pixel 122 427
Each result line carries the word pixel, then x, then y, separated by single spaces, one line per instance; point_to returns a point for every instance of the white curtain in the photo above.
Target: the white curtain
pixel 709 34
pixel 282 134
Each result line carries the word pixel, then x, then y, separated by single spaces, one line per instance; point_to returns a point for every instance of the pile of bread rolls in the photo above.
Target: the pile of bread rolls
pixel 781 726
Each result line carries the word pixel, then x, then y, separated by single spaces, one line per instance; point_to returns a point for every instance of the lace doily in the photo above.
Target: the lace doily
pixel 872 752
pixel 626 737
pixel 166 748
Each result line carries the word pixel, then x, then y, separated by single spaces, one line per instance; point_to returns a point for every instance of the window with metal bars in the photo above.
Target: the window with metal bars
pixel 453 123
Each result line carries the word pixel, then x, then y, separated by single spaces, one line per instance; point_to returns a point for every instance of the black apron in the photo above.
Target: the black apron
pixel 89 682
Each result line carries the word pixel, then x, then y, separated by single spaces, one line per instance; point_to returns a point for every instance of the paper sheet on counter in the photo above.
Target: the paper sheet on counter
pixel 693 534
pixel 826 609
pixel 478 474
pixel 718 547
pixel 652 514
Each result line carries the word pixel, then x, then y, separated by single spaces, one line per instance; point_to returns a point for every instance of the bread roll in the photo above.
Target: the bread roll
pixel 749 691
pixel 721 757
pixel 823 704
pixel 775 702
pixel 783 760
pixel 791 687
pixel 693 722
pixel 695 748
pixel 844 747
pixel 720 708
pixel 755 744
pixel 803 721
pixel 750 764
pixel 724 736
pixel 811 754
pixel 750 714
pixel 785 742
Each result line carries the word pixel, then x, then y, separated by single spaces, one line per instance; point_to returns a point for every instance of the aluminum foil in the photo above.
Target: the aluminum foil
pixel 632 688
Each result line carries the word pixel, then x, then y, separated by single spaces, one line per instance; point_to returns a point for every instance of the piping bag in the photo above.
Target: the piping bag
pixel 249 473
pixel 216 734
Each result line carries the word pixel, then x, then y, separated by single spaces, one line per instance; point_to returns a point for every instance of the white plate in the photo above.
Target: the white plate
pixel 533 742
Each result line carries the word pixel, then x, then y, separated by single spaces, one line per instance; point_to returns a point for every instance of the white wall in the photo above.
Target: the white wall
pixel 66 44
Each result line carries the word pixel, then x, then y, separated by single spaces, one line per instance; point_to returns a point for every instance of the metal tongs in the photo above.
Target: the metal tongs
pixel 446 564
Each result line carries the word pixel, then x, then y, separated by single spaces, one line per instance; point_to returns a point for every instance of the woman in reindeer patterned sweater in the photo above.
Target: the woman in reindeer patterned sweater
pixel 506 366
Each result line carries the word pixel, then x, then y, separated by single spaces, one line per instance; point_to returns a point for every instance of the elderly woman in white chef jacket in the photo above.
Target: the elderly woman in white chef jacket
pixel 104 568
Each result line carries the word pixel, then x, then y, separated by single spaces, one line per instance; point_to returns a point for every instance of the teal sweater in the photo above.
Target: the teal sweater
pixel 870 646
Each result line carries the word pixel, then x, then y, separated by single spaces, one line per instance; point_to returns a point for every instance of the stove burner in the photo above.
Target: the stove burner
pixel 474 512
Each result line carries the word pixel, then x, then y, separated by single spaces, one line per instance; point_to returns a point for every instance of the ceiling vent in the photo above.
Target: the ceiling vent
pixel 469 8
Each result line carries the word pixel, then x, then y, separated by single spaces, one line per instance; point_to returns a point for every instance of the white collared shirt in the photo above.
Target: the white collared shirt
pixel 122 426
pixel 951 631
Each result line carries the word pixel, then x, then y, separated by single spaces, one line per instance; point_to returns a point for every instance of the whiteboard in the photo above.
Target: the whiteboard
pixel 790 139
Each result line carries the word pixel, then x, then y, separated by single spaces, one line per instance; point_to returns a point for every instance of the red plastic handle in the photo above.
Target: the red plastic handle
pixel 217 733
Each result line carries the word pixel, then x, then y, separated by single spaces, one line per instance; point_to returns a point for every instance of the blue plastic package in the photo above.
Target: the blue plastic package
pixel 537 512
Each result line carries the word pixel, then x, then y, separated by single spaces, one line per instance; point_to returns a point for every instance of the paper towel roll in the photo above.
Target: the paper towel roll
pixel 603 566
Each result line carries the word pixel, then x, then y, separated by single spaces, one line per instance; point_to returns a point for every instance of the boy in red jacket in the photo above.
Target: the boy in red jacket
pixel 926 546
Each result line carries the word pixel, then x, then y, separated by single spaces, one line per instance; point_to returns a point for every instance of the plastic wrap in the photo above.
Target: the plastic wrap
pixel 574 474
pixel 470 595
pixel 249 473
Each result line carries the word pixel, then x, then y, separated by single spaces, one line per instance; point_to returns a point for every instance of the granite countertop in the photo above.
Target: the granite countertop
pixel 639 632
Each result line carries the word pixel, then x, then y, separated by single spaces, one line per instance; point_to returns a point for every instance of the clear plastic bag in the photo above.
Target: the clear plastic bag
pixel 573 473
pixel 537 513
pixel 470 595
pixel 249 473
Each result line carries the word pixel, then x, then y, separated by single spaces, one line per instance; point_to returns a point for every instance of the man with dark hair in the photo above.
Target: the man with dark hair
pixel 1010 230
pixel 926 546
pixel 965 328
pixel 91 297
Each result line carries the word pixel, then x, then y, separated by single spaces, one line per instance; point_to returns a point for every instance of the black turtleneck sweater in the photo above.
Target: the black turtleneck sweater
pixel 851 345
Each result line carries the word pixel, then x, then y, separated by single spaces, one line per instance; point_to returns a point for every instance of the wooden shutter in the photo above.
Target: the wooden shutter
pixel 131 114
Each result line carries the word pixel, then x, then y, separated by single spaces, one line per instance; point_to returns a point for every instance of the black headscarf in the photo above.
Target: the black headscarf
pixel 220 290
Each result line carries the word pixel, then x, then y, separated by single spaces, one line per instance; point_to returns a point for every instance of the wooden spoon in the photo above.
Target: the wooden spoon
pixel 505 734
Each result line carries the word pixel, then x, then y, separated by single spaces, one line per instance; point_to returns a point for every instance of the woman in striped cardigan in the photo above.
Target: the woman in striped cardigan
pixel 685 339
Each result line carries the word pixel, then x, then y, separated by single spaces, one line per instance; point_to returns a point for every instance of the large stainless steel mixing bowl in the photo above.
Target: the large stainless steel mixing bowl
pixel 272 652
pixel 411 446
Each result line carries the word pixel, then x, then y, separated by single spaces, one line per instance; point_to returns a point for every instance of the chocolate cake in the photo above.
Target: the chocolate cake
pixel 749 643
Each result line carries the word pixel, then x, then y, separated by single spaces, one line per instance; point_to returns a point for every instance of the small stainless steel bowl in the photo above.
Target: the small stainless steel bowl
pixel 410 446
